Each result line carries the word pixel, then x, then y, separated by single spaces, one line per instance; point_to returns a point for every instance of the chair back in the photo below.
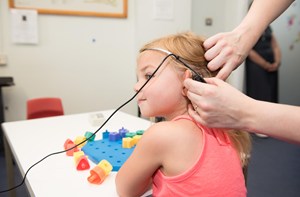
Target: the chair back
pixel 44 107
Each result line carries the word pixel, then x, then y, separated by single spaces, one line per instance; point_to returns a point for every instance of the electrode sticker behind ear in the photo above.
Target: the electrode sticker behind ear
pixel 198 78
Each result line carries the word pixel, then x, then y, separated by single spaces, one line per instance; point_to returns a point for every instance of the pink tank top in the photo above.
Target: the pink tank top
pixel 217 172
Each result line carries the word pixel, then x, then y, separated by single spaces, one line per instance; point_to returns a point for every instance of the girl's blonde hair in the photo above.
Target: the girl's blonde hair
pixel 189 47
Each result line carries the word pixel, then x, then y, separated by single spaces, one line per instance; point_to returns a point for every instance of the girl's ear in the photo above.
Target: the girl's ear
pixel 187 74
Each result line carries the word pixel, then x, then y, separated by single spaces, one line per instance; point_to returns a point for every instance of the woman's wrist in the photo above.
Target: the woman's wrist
pixel 248 117
pixel 266 64
pixel 247 36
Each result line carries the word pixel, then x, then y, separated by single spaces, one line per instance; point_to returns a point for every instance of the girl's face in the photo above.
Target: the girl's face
pixel 164 95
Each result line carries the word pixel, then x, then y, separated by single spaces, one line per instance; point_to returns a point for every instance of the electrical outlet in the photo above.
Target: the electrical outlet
pixel 3 59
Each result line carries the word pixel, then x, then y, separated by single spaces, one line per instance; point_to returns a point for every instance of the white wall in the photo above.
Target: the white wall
pixel 202 9
pixel 148 27
pixel 87 75
pixel 288 37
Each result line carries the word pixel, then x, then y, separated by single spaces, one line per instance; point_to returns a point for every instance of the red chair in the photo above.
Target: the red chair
pixel 44 107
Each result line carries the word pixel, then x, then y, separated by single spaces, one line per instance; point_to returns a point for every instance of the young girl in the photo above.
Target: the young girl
pixel 180 157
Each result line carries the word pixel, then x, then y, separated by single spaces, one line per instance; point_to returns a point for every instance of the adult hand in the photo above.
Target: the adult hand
pixel 267 66
pixel 273 67
pixel 226 51
pixel 217 104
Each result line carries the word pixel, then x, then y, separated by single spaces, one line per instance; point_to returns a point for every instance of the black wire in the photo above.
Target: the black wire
pixel 197 76
pixel 59 152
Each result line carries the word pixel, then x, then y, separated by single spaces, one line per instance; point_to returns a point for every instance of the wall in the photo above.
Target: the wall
pixel 287 31
pixel 202 9
pixel 148 27
pixel 87 61
pixel 68 64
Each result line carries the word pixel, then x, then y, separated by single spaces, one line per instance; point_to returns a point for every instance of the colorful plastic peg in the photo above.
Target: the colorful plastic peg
pixel 123 132
pixel 106 166
pixel 83 163
pixel 130 134
pixel 69 144
pixel 127 142
pixel 77 155
pixel 114 136
pixel 90 136
pixel 140 132
pixel 97 175
pixel 100 172
pixel 136 139
pixel 105 134
pixel 79 140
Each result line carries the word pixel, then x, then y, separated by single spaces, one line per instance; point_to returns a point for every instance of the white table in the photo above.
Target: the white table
pixel 31 140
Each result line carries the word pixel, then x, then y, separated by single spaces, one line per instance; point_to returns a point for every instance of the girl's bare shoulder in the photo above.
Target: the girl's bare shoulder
pixel 170 131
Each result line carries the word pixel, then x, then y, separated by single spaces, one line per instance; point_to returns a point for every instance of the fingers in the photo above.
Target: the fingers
pixel 220 57
pixel 273 67
pixel 211 41
pixel 198 87
pixel 190 84
pixel 195 98
pixel 203 99
pixel 224 73
pixel 224 53
pixel 216 59
pixel 194 114
pixel 217 55
pixel 194 86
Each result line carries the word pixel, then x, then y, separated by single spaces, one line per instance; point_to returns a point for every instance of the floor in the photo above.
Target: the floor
pixel 274 170
pixel 21 191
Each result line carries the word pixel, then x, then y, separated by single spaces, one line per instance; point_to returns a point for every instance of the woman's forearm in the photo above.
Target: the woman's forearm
pixel 276 120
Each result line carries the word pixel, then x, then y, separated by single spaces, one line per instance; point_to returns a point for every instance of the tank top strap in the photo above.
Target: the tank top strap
pixel 219 134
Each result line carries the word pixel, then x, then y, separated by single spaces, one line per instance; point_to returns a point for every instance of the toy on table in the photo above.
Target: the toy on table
pixel 89 136
pixel 109 153
pixel 80 141
pixel 70 147
pixel 81 161
pixel 100 172
pixel 73 147
pixel 110 147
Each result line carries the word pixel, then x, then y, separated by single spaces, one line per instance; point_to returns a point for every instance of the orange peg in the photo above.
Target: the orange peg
pixel 97 175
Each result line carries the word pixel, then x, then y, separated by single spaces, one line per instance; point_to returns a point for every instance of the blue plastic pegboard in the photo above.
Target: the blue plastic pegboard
pixel 112 151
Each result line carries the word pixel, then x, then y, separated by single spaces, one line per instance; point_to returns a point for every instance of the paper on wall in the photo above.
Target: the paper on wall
pixel 24 26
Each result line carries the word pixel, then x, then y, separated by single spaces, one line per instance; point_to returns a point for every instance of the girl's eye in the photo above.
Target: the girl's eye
pixel 147 76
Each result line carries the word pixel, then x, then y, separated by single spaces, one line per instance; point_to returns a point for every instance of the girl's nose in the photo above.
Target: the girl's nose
pixel 136 86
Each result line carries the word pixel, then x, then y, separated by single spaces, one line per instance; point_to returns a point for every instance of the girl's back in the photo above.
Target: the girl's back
pixel 215 171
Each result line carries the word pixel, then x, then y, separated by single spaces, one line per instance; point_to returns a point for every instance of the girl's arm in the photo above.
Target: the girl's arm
pixel 134 177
